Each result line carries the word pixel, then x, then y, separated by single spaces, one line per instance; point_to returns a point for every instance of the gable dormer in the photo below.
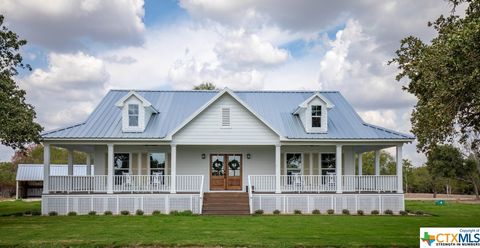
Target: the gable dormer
pixel 313 113
pixel 136 112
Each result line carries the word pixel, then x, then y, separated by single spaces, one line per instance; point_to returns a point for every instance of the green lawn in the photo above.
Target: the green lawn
pixel 251 231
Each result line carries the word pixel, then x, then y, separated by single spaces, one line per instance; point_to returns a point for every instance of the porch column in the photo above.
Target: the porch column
pixel 399 169
pixel 173 170
pixel 360 164
pixel 277 169
pixel 139 161
pixel 338 166
pixel 110 169
pixel 46 167
pixel 377 162
pixel 89 165
pixel 70 161
pixel 16 190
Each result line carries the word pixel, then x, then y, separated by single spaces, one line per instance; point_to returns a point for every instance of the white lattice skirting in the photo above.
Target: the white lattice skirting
pixel 306 203
pixel 82 204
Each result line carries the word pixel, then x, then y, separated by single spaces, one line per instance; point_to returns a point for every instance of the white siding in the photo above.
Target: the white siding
pixel 245 128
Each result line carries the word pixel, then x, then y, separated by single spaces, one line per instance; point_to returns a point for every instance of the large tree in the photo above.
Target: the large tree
pixel 205 86
pixel 17 118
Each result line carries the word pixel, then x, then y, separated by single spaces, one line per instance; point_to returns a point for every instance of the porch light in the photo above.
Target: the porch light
pixel 248 155
pixel 203 155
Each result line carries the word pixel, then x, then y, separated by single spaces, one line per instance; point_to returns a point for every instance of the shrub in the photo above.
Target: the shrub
pixel 297 211
pixel 330 211
pixel 388 211
pixel 174 212
pixel 139 212
pixel 72 213
pixel 36 213
pixel 345 212
pixel 125 212
pixel 374 212
pixel 360 212
pixel 404 213
pixel 419 212
pixel 17 214
pixel 107 213
pixel 52 213
pixel 156 212
pixel 92 213
pixel 259 212
pixel 186 213
pixel 316 211
pixel 276 211
pixel 28 213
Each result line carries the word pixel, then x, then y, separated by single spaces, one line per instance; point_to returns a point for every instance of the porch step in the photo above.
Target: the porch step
pixel 235 203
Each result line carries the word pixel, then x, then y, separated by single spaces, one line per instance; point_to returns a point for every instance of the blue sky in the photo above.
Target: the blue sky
pixel 80 49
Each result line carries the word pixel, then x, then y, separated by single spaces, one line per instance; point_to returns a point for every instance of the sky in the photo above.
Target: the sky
pixel 80 49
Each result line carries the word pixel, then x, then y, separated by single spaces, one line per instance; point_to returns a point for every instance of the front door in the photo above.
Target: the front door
pixel 225 171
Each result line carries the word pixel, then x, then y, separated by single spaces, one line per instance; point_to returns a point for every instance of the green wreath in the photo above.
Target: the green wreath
pixel 217 166
pixel 234 164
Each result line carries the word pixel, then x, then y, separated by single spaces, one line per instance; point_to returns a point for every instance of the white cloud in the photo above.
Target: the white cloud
pixel 67 91
pixel 62 25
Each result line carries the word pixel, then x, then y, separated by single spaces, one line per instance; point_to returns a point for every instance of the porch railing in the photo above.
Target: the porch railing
pixel 318 183
pixel 125 183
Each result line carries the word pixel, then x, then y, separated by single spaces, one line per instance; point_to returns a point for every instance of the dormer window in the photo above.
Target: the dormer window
pixel 316 116
pixel 133 115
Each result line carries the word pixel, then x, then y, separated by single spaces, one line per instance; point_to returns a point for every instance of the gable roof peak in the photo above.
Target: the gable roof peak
pixel 120 103
pixel 315 95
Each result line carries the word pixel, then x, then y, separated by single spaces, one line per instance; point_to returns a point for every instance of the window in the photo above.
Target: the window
pixel 157 164
pixel 225 117
pixel 121 163
pixel 316 116
pixel 294 163
pixel 133 115
pixel 328 164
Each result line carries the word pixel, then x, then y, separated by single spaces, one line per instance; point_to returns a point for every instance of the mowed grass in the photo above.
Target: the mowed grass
pixel 249 231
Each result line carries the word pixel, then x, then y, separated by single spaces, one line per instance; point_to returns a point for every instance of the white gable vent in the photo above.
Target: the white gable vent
pixel 225 117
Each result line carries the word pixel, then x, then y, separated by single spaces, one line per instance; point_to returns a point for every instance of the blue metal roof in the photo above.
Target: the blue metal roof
pixel 275 107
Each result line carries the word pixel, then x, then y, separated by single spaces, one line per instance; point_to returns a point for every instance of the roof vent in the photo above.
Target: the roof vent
pixel 225 117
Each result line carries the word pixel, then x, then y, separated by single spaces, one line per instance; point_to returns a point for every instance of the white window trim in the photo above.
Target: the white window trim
pixel 138 114
pixel 302 161
pixel 320 117
pixel 129 162
pixel 320 169
pixel 230 117
pixel 150 162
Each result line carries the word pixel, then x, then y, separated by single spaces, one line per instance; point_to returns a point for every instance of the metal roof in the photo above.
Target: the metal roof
pixel 34 172
pixel 275 107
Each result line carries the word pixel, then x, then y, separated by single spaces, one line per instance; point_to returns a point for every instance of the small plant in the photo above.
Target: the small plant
pixel 374 212
pixel 259 212
pixel 316 211
pixel 186 213
pixel 92 213
pixel 107 213
pixel 36 213
pixel 403 213
pixel 419 212
pixel 276 211
pixel 17 214
pixel 388 212
pixel 72 213
pixel 52 213
pixel 139 212
pixel 345 212
pixel 174 212
pixel 360 212
pixel 330 211
pixel 27 213
pixel 156 212
pixel 125 212
pixel 297 211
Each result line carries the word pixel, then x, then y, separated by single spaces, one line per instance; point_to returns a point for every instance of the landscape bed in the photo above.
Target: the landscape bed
pixel 250 231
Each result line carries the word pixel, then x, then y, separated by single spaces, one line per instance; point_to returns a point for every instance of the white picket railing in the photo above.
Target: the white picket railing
pixel 125 183
pixel 318 183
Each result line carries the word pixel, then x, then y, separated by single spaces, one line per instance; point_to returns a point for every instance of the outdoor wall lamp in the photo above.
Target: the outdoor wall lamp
pixel 248 155
pixel 203 155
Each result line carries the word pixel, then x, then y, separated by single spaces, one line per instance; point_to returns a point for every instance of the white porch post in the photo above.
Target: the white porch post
pixel 46 167
pixel 110 169
pixel 399 169
pixel 139 161
pixel 173 170
pixel 377 162
pixel 338 166
pixel 16 191
pixel 70 161
pixel 360 164
pixel 277 169
pixel 89 164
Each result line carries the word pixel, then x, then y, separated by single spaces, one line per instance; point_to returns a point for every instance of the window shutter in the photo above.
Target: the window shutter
pixel 225 117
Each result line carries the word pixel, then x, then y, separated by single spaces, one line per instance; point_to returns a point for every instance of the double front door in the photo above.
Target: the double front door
pixel 226 171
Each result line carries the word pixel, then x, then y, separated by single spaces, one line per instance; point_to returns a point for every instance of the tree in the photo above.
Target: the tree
pixel 444 162
pixel 17 123
pixel 7 179
pixel 387 163
pixel 205 86
pixel 34 155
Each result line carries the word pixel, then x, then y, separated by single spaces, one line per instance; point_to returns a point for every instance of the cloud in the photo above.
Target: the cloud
pixel 65 25
pixel 67 91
